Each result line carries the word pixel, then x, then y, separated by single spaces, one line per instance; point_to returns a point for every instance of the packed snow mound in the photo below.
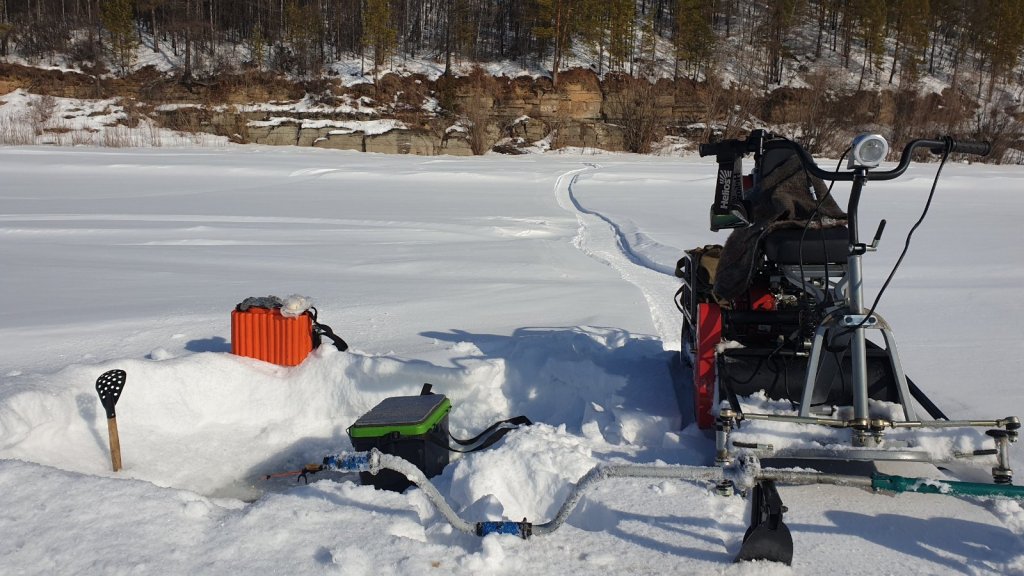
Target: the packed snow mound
pixel 213 422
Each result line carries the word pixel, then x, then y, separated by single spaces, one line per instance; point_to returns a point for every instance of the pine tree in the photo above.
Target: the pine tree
pixel 593 26
pixel 648 45
pixel 870 16
pixel 257 47
pixel 464 28
pixel 1004 40
pixel 621 24
pixel 557 23
pixel 780 18
pixel 303 30
pixel 5 27
pixel 117 18
pixel 378 33
pixel 150 7
pixel 692 38
pixel 911 18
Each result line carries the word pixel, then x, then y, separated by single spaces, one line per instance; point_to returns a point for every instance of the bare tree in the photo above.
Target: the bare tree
pixel 634 107
pixel 821 124
pixel 476 110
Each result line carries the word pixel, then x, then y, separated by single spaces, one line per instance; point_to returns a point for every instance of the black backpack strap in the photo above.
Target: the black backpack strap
pixel 492 434
pixel 321 330
pixel 485 439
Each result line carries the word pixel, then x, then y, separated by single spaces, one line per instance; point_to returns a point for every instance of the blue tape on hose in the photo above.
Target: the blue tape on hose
pixel 354 462
pixel 521 529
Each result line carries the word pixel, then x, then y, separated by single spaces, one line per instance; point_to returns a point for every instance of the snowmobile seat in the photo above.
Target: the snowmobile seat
pixel 820 245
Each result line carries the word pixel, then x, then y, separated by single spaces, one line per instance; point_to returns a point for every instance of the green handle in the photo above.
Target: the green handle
pixel 890 483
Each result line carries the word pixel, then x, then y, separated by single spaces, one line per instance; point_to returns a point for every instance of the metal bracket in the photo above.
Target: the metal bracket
pixel 859 320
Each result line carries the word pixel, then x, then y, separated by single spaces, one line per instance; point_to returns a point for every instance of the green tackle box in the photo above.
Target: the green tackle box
pixel 412 427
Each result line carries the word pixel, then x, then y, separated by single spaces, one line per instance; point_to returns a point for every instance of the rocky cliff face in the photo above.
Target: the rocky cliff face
pixel 471 114
pixel 462 116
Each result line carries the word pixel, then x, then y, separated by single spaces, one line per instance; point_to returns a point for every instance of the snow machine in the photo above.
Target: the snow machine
pixel 779 309
pixel 775 331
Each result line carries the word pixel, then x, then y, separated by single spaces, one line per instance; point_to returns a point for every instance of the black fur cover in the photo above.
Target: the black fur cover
pixel 784 201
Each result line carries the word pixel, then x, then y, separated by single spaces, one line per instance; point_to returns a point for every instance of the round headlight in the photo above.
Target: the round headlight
pixel 868 151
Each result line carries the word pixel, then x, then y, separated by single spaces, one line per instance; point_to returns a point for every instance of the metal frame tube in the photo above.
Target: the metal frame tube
pixel 858 342
pixel 744 474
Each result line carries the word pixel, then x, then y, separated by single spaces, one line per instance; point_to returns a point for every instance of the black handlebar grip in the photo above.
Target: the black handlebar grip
pixel 726 148
pixel 976 148
pixel 708 149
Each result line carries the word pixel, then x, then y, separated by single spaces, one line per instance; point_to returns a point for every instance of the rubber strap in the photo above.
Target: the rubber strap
pixel 485 439
pixel 492 434
pixel 321 330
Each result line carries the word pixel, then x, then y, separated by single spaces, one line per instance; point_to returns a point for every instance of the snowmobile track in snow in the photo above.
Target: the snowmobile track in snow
pixel 602 238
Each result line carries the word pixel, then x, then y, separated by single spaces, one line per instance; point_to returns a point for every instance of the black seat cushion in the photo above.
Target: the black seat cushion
pixel 820 245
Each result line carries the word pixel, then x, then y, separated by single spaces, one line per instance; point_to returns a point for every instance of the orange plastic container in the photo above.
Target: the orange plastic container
pixel 264 334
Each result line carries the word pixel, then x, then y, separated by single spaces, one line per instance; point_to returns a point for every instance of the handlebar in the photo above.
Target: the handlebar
pixel 975 148
pixel 759 141
pixel 737 147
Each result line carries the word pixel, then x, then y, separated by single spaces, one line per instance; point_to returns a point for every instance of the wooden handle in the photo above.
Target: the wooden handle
pixel 115 444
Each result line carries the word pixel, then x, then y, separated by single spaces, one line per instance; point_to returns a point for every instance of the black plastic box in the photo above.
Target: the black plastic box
pixel 412 427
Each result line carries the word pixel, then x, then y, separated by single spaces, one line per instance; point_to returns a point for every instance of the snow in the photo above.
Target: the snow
pixel 27 118
pixel 369 127
pixel 537 284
